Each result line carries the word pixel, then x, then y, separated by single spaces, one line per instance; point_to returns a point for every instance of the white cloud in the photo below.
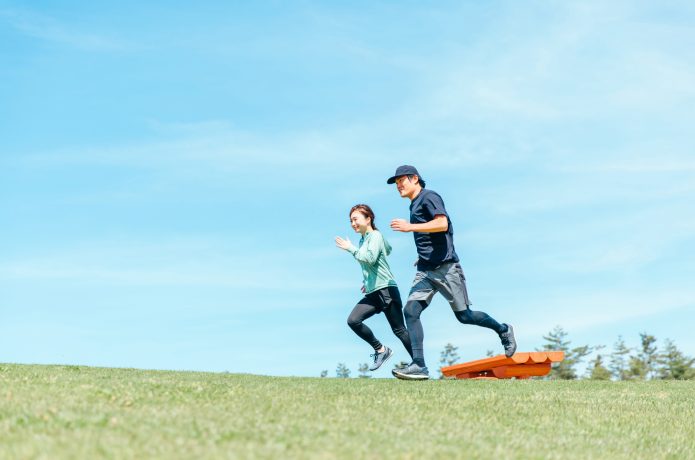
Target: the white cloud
pixel 197 261
pixel 214 146
pixel 51 30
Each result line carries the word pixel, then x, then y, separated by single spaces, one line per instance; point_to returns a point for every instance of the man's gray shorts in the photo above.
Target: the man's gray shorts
pixel 447 279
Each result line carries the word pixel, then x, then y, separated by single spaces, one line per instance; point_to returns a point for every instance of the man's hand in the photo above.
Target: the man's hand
pixel 401 225
pixel 343 243
pixel 440 223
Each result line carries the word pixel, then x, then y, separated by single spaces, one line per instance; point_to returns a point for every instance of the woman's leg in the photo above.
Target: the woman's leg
pixel 361 312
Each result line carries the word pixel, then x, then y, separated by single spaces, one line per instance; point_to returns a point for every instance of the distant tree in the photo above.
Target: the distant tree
pixel 342 372
pixel 619 360
pixel 448 357
pixel 489 353
pixel 597 370
pixel 565 369
pixel 363 370
pixel 643 364
pixel 324 374
pixel 402 365
pixel 673 364
pixel 649 354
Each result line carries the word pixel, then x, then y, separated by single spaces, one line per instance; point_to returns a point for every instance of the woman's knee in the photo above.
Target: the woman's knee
pixel 354 321
pixel 398 330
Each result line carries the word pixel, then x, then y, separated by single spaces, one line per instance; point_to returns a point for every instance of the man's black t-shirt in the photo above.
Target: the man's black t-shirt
pixel 437 248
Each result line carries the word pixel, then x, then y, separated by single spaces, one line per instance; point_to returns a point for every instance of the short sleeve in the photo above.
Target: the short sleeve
pixel 434 205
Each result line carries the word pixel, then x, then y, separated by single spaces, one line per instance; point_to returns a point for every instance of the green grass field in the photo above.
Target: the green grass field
pixel 81 412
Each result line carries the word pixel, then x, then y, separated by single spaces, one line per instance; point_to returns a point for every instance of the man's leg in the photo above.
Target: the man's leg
pixel 454 289
pixel 417 369
pixel 479 318
pixel 394 315
pixel 420 296
pixel 413 310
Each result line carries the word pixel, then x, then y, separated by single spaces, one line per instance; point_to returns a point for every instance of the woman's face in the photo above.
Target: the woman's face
pixel 359 222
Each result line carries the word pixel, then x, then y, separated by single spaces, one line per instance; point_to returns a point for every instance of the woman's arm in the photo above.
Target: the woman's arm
pixel 343 243
pixel 370 249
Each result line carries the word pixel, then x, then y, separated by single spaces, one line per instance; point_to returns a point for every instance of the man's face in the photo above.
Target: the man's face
pixel 406 186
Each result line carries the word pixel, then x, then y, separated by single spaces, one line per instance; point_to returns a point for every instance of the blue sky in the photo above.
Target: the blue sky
pixel 172 178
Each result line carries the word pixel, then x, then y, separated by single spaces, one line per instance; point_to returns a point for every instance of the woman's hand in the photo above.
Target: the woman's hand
pixel 342 243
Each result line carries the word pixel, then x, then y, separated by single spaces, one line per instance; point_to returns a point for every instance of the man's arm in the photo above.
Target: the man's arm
pixel 439 224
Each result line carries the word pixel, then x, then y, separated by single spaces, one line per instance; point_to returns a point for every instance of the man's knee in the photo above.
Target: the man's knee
pixel 413 309
pixel 464 316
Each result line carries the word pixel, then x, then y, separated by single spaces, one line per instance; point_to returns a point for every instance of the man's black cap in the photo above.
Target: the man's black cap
pixel 405 170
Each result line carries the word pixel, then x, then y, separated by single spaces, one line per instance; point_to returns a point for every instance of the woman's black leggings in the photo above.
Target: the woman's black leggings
pixel 387 300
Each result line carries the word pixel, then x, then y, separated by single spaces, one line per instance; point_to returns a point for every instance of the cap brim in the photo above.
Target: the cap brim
pixel 391 180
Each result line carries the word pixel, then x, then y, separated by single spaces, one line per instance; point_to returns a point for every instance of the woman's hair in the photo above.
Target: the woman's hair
pixel 366 211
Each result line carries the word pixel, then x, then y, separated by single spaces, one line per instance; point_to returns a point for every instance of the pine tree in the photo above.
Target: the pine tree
pixel 342 372
pixel 673 364
pixel 402 365
pixel 598 371
pixel 363 370
pixel 649 354
pixel 448 357
pixel 557 340
pixel 619 364
pixel 643 364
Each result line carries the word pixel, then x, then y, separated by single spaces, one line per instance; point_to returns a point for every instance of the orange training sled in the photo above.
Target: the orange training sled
pixel 520 366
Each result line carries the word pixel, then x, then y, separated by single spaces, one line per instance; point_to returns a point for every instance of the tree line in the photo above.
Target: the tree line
pixel 647 361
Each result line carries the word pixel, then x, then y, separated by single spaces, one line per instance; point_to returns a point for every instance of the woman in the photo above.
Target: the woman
pixel 381 291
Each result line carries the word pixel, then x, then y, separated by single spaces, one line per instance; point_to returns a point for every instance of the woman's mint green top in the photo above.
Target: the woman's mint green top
pixel 371 254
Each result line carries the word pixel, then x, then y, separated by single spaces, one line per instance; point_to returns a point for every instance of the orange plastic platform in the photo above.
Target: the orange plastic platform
pixel 521 366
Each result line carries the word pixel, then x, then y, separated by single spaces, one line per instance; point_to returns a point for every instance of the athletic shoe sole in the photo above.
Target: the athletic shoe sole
pixel 513 350
pixel 398 375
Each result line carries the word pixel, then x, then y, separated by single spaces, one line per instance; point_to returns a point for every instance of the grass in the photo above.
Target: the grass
pixel 81 412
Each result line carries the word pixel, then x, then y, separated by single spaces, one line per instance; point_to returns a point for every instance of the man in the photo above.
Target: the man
pixel 438 269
